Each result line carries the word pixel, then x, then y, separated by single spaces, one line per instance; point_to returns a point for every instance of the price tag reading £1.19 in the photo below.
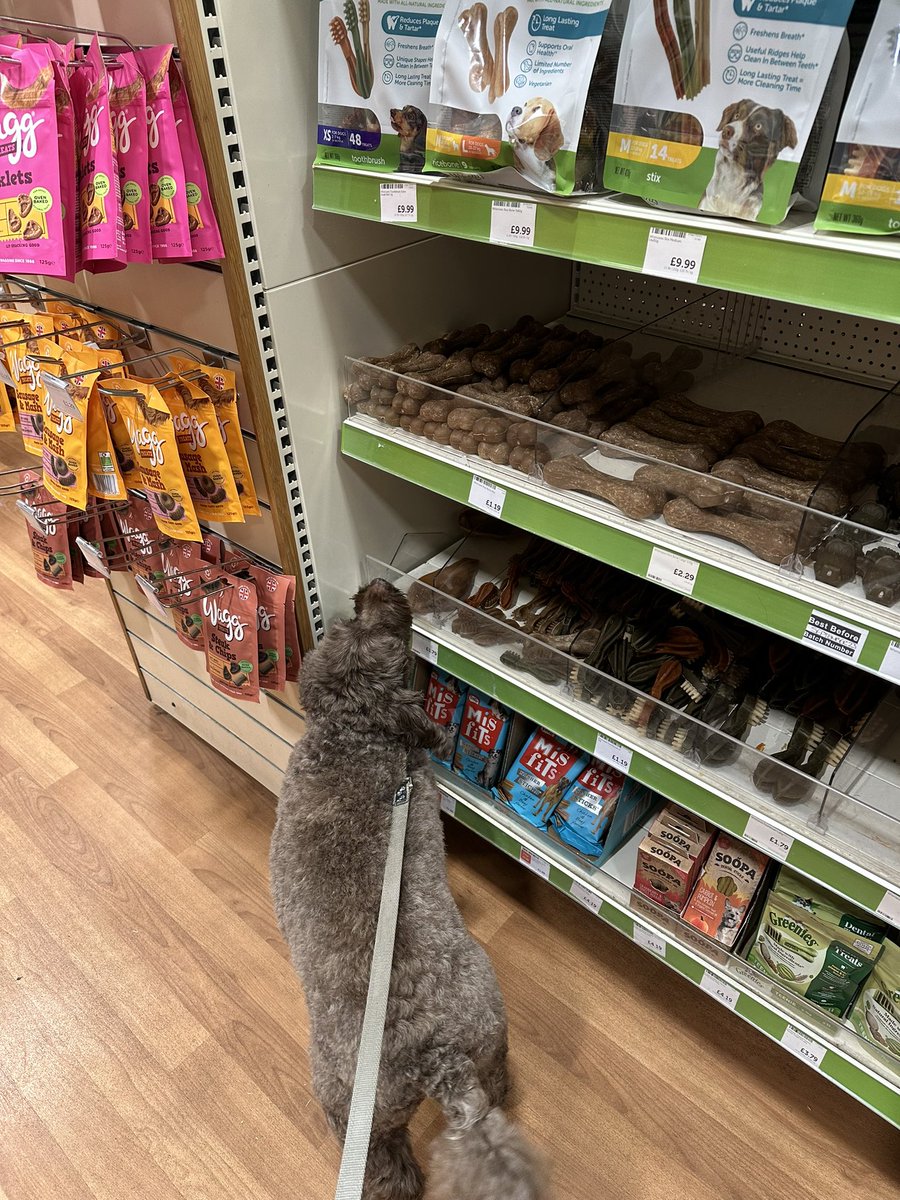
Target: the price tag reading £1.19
pixel 612 754
pixel 674 254
pixel 513 222
pixel 399 202
pixel 487 496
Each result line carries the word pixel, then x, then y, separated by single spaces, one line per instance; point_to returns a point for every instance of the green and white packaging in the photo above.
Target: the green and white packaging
pixel 717 100
pixel 374 76
pixel 876 1013
pixel 862 188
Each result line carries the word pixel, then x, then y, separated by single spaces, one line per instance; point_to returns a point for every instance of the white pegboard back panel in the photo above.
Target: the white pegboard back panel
pixel 818 340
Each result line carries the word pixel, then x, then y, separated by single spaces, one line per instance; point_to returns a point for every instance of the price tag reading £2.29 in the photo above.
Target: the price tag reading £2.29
pixel 673 571
pixel 487 496
pixel 513 222
pixel 674 254
pixel 399 203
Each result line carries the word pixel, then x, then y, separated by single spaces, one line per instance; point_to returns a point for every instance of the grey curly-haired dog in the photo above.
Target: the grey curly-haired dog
pixel 445 1034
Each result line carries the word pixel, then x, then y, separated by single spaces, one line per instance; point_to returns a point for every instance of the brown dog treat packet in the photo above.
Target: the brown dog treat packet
pixel 212 548
pixel 182 565
pixel 271 591
pixel 140 541
pixel 229 627
pixel 293 656
pixel 89 528
pixel 49 548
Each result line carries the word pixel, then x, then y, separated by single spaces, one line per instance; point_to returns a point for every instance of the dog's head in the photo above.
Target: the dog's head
pixel 360 664
pixel 536 124
pixel 407 121
pixel 755 135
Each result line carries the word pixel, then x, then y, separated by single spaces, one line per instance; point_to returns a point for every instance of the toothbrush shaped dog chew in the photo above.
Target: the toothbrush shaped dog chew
pixel 365 16
pixel 363 74
pixel 340 38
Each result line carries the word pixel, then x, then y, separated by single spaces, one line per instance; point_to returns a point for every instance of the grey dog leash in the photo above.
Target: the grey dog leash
pixel 362 1104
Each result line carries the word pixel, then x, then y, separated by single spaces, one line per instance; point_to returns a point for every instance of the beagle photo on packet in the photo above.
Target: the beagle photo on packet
pixel 752 138
pixel 535 134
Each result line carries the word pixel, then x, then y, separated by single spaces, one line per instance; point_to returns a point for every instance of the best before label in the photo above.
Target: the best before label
pixel 834 638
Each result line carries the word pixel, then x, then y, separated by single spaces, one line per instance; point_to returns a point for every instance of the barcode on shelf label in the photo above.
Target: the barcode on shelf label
pixel 487 496
pixel 801 1044
pixel 513 222
pixel 534 862
pixel 768 838
pixel 719 989
pixel 890 664
pixel 612 754
pixel 448 804
pixel 672 571
pixel 585 897
pixel 889 909
pixel 835 638
pixel 674 254
pixel 654 942
pixel 399 202
pixel 424 647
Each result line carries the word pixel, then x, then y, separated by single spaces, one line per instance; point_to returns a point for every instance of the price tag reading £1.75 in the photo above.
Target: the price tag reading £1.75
pixel 399 203
pixel 512 222
pixel 487 496
pixel 674 254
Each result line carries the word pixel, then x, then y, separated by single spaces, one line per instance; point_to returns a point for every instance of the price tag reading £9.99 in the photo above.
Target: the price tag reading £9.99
pixel 673 571
pixel 719 989
pixel 768 838
pixel 513 222
pixel 487 496
pixel 398 202
pixel 674 254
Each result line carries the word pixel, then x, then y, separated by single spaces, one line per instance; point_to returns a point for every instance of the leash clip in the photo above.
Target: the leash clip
pixel 403 792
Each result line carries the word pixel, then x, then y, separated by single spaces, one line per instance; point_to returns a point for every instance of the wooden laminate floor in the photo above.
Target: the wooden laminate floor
pixel 152 1033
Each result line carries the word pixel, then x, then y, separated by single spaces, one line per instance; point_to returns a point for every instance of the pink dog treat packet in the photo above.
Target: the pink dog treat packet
pixel 100 206
pixel 206 241
pixel 67 142
pixel 169 231
pixel 31 208
pixel 128 103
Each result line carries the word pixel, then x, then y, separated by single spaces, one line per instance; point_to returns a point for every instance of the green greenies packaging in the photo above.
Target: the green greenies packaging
pixel 516 86
pixel 374 74
pixel 862 188
pixel 717 103
pixel 876 1013
pixel 826 907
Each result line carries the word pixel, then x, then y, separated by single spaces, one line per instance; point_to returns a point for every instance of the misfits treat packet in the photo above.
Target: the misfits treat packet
pixel 271 614
pixel 515 86
pixel 206 241
pixel 99 198
pixel 715 104
pixel 445 698
pixel 229 627
pixel 128 104
pixel 482 737
pixel 582 817
pixel 170 235
pixel 49 543
pixel 202 451
pixel 374 77
pixel 541 773
pixel 862 188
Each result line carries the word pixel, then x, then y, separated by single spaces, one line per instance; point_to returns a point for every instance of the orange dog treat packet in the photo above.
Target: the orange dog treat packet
pixel 26 374
pixel 104 476
pixel 64 435
pixel 152 434
pixel 209 476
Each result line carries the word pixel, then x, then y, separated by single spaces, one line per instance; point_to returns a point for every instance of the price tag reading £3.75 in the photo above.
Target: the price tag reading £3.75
pixel 487 496
pixel 513 222
pixel 399 203
pixel 674 254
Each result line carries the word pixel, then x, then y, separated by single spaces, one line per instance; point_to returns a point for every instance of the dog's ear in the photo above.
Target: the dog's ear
pixel 550 139
pixel 734 112
pixel 788 139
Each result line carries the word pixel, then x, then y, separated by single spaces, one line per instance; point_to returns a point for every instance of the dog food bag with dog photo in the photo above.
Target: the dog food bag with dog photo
pixel 862 188
pixel 49 545
pixel 722 894
pixel 229 628
pixel 582 817
pixel 516 86
pixel 102 228
pixel 482 737
pixel 169 230
pixel 715 102
pixel 543 770
pixel 128 103
pixel 445 698
pixel 374 78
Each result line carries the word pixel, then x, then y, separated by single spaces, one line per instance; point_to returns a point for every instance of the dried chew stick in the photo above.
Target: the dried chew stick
pixel 768 541
pixel 699 489
pixel 574 475
pixel 628 437
pixel 744 423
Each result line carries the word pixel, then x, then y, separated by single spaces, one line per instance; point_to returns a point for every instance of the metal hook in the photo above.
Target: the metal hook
pixel 53 332
pixel 130 363
pixel 73 517
pixel 108 391
pixel 100 33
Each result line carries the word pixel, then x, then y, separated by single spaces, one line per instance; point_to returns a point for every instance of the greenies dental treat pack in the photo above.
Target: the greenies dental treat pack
pixel 876 1013
pixel 517 86
pixel 374 74
pixel 862 188
pixel 717 103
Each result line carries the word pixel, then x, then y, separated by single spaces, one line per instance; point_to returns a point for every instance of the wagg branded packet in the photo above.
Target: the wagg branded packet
pixel 169 232
pixel 206 241
pixel 128 103
pixel 229 627
pixel 715 103
pixel 99 197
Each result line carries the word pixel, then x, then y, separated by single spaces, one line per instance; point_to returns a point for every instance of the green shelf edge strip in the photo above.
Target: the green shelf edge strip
pixel 840 1070
pixel 819 275
pixel 779 612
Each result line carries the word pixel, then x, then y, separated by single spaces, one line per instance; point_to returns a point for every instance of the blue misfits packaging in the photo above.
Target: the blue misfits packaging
pixel 542 772
pixel 583 815
pixel 482 736
pixel 445 698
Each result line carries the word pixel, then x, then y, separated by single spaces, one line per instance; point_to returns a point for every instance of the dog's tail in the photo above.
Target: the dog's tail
pixel 481 1155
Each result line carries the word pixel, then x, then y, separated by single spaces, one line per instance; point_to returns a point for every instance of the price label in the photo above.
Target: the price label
pixel 398 202
pixel 654 942
pixel 834 638
pixel 424 647
pixel 674 254
pixel 672 571
pixel 890 664
pixel 889 909
pixel 534 862
pixel 803 1046
pixel 586 897
pixel 448 804
pixel 91 553
pixel 487 496
pixel 152 595
pixel 612 754
pixel 719 989
pixel 768 838
pixel 513 222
